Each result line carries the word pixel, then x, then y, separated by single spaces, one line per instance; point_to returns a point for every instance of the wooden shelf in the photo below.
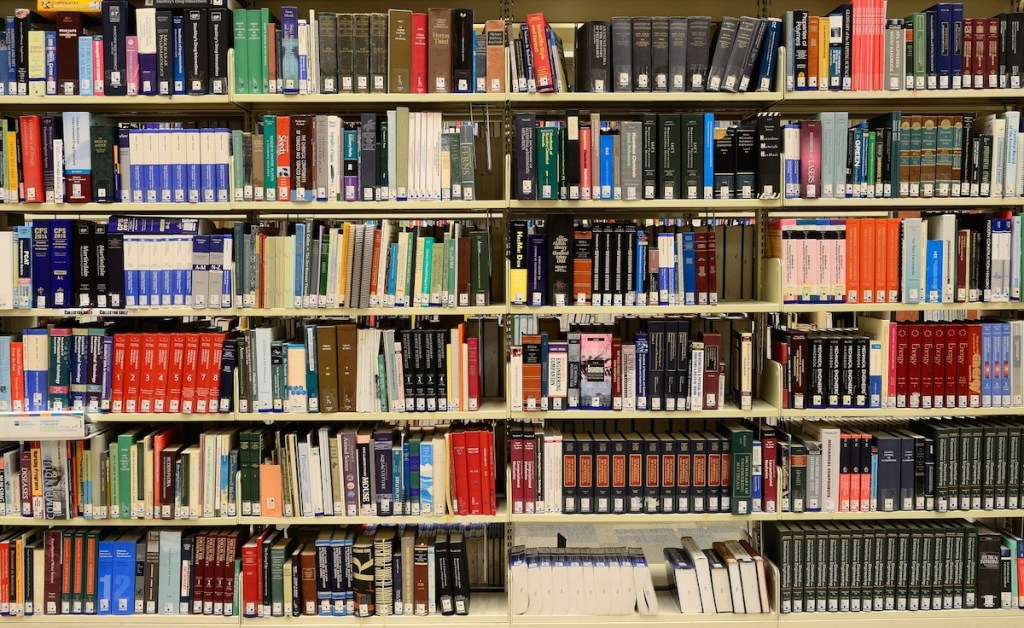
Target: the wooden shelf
pixel 760 409
pixel 485 609
pixel 490 410
pixel 710 518
pixel 901 307
pixel 896 204
pixel 501 516
pixel 124 104
pixel 644 99
pixel 723 307
pixel 14 520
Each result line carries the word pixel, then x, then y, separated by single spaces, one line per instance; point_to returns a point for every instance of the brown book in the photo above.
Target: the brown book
pixel 399 51
pixel 258 172
pixel 220 572
pixel 712 368
pixel 346 67
pixel 944 157
pixel 929 172
pixel 231 545
pixel 916 151
pixel 307 578
pixel 494 36
pixel 327 364
pixel 712 269
pixel 272 57
pixel 69 27
pixel 463 280
pixel 209 570
pixel 151 571
pixel 439 51
pixel 198 572
pixel 348 346
pixel 53 544
pixel 361 53
pixel 378 43
pixel 421 576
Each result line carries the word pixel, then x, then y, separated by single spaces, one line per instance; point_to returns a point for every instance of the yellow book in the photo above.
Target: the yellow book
pixel 823 45
pixel 12 167
pixel 49 8
pixel 36 63
pixel 343 270
pixel 518 274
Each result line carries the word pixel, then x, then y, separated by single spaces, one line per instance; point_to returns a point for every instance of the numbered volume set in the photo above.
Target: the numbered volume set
pixel 632 157
pixel 671 364
pixel 647 54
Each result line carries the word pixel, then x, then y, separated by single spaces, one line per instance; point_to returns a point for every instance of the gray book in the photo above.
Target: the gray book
pixel 378 61
pixel 659 53
pixel 168 598
pixel 677 31
pixel 346 64
pixel 753 53
pixel 742 42
pixel 328 26
pixel 361 53
pixel 698 52
pixel 813 503
pixel 622 54
pixel 895 55
pixel 631 159
pixel 467 157
pixel 723 48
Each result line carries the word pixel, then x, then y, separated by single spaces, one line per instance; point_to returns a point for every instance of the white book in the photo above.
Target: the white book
pixel 748 577
pixel 1011 184
pixel 327 490
pixel 1015 257
pixel 455 367
pixel 696 376
pixel 829 437
pixel 8 269
pixel 58 173
pixel 702 568
pixel 315 481
pixel 646 598
pixel 518 584
pixel 515 376
pixel 331 298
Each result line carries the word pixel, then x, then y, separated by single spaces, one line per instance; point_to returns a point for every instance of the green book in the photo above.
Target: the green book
pixel 382 386
pixel 480 268
pixel 451 275
pixel 278 555
pixel 455 163
pixel 241 46
pixel 798 475
pixel 438 267
pixel 277 358
pixel 871 171
pixel 467 154
pixel 741 451
pixel 254 30
pixel 264 22
pixel 428 269
pixel 547 163
pixel 325 258
pixel 103 141
pixel 270 157
pixel 244 472
pixel 237 166
pixel 920 22
pixel 410 274
pixel 382 159
pixel 60 369
pixel 115 484
pixel 125 442
pixel 414 472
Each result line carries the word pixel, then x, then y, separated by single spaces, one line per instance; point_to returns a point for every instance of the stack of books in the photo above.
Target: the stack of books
pixel 729 577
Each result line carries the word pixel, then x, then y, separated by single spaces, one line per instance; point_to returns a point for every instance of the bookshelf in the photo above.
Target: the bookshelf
pixel 493 608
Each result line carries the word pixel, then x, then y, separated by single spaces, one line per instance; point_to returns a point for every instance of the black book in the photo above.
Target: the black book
pixel 197 51
pixel 462 50
pixel 597 285
pixel 560 259
pixel 525 136
pixel 602 474
pixel 441 364
pixel 746 162
pixel 660 54
pixel 692 158
pixel 683 365
pixel 652 473
pixel 671 365
pixel 164 52
pixel 699 476
pixel 328 27
pixel 457 553
pixel 698 52
pixel 677 42
pixel 84 264
pixel 220 34
pixel 379 53
pixel 569 478
pixel 115 270
pixel 585 474
pixel 419 365
pixel 622 54
pixel 684 473
pixel 743 42
pixel 649 156
pixel 846 10
pixel 725 163
pixel 753 54
pixel 593 57
pixel 669 158
pixel 118 21
pixel 617 274
pixel 800 62
pixel 724 40
pixel 346 52
pixel 656 331
pixel 99 256
pixel 430 368
pixel 642 54
pixel 368 157
pixel 769 151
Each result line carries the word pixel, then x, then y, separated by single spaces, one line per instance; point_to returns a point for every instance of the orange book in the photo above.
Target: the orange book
pixel 812 51
pixel 865 476
pixel 375 267
pixel 284 156
pixel 881 258
pixel 531 372
pixel 868 260
pixel 823 43
pixel 271 494
pixel 853 260
pixel 892 255
pixel 494 35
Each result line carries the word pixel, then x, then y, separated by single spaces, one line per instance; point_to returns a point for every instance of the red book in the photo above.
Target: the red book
pixel 473 390
pixel 219 574
pixel 991 52
pixel 25 479
pixel 616 373
pixel 78 581
pixel 474 474
pixel 117 377
pixel 198 573
pixel 974 360
pixel 147 377
pixel 700 245
pixel 913 358
pixel 712 368
pixel 272 74
pixel 31 135
pixel 892 254
pixel 419 53
pixel 175 373
pixel 517 448
pixel 203 374
pixel 230 554
pixel 66 585
pixel 132 372
pixel 5 574
pixel 963 366
pixel 844 472
pixel 537 28
pixel 879 260
pixel 161 365
pixel 161 440
pixel 949 368
pixel 967 65
pixel 980 46
pixel 210 574
pixel 810 158
pixel 852 262
pixel 252 574
pixel 712 295
pixel 529 490
pixel 769 471
pixel 189 373
pixel 284 158
pixel 586 170
pixel 17 376
pixel 926 352
pixel 460 494
pixel 490 490
pixel 375 264
pixel 902 374
pixel 213 396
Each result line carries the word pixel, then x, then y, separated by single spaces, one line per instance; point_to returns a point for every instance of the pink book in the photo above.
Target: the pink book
pixel 814 263
pixel 97 66
pixel 131 48
pixel 810 158
pixel 799 279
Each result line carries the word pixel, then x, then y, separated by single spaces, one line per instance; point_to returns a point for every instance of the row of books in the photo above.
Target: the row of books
pixel 728 577
pixel 883 364
pixel 128 51
pixel 372 470
pixel 667 156
pixel 943 258
pixel 599 581
pixel 904 565
pixel 675 54
pixel 858 47
pixel 899 155
pixel 398 52
pixel 672 364
pixel 330 571
pixel 557 262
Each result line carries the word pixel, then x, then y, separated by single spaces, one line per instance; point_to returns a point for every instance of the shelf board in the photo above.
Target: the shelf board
pixel 654 519
pixel 668 614
pixel 499 517
pixel 490 410
pixel 152 312
pixel 14 520
pixel 965 618
pixel 640 206
pixel 902 203
pixel 644 99
pixel 122 104
pixel 901 307
pixel 116 621
pixel 901 514
pixel 153 417
pixel 485 609
pixel 486 310
pixel 886 97
pixel 200 210
pixel 760 409
pixel 332 102
pixel 847 413
pixel 723 307
pixel 381 209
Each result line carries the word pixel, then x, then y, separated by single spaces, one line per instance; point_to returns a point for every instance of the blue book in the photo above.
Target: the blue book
pixel 290 49
pixel 544 371
pixel 932 44
pixel 150 169
pixel 1005 358
pixel 943 42
pixel 108 366
pixel 312 383
pixel 875 380
pixel 5 55
pixel 640 276
pixel 956 60
pixel 665 273
pixel 152 225
pixel 23 290
pixel 933 271
pixel 37 372
pixel 642 347
pixel 676 280
pixel 208 171
pixel 61 276
pixel 414 468
pixel 50 41
pixel 689 268
pixel 426 476
pixel 398 496
pixel 222 175
pixel 41 294
pixel 322 545
pixel 524 31
pixel 709 155
pixel 607 163
pixel 85 70
pixel 154 280
pixel 392 275
pixel 300 262
pixel 769 55
pixel 178 59
pixel 12 57
pixel 135 178
pixel 105 577
pixel 406 477
pixel 193 171
pixel 988 338
pixel 537 256
pixel 79 369
pixel 5 373
pixel 165 169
